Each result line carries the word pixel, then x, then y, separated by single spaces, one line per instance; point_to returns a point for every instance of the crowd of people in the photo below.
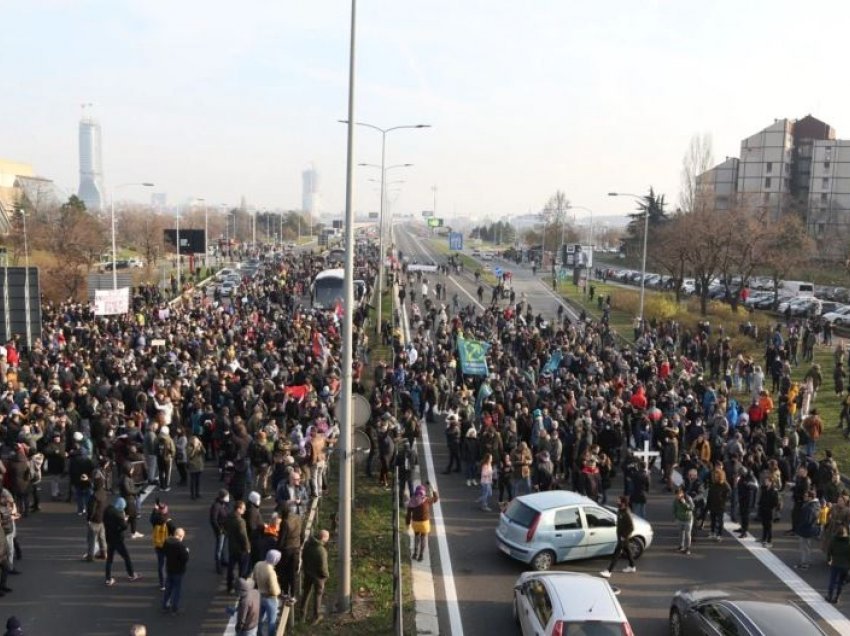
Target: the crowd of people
pixel 566 405
pixel 106 410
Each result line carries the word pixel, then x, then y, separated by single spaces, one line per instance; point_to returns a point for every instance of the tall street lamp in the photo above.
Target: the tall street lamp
pixel 381 222
pixel 384 132
pixel 143 184
pixel 639 199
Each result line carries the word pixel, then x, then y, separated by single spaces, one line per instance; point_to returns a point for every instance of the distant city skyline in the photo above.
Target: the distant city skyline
pixel 522 100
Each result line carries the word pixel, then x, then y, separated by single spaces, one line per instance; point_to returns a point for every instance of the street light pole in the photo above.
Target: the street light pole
pixel 346 476
pixel 645 235
pixel 382 258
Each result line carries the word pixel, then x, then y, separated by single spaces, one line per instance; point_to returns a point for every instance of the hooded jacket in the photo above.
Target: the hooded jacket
pixel 248 609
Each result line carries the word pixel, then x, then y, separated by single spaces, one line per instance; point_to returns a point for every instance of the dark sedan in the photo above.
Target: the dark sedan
pixel 698 612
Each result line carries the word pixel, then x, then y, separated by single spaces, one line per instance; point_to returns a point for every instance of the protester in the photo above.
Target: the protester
pixel 162 527
pixel 419 517
pixel 115 524
pixel 625 527
pixel 315 565
pixel 176 560
pixel 265 578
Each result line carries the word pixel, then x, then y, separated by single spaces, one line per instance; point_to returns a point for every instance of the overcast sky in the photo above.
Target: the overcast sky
pixel 219 99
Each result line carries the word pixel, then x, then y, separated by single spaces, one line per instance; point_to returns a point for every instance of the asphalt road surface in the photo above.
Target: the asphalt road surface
pixel 484 577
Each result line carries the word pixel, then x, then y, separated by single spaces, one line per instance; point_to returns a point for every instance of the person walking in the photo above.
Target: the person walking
pixel 419 517
pixel 176 560
pixel 114 525
pixel 219 512
pixel 625 527
pixel 4 563
pixel 247 611
pixel 767 507
pixel 807 529
pixel 289 544
pixel 95 536
pixel 238 545
pixel 162 527
pixel 718 494
pixel 195 454
pixel 129 492
pixel 683 513
pixel 265 578
pixel 486 481
pixel 315 564
pixel 747 490
pixel 838 557
pixel 165 453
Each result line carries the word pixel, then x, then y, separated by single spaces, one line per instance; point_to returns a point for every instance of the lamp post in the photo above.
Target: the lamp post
pixel 381 223
pixel 143 184
pixel 384 132
pixel 643 260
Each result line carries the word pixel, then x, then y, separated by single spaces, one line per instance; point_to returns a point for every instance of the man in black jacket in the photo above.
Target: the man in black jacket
pixel 96 538
pixel 176 558
pixel 625 527
pixel 238 545
pixel 114 525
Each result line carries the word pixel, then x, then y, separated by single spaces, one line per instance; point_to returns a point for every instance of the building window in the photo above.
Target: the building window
pixel 767 182
pixel 821 228
pixel 824 197
pixel 769 167
pixel 825 182
pixel 826 165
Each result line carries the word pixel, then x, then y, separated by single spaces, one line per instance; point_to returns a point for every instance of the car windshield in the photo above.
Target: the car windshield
pixel 520 514
pixel 327 292
pixel 593 629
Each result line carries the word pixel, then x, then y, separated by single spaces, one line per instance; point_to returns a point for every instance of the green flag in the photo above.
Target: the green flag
pixel 473 356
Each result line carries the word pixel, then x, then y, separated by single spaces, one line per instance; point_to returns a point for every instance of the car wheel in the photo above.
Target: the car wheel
pixel 636 547
pixel 675 622
pixel 543 561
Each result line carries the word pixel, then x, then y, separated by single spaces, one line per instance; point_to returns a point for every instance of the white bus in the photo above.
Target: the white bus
pixel 327 289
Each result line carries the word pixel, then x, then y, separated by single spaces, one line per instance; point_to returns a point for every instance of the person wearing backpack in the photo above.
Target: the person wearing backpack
pixel 808 528
pixel 165 452
pixel 162 528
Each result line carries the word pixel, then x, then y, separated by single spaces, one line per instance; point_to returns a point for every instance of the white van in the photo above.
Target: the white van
pixel 796 289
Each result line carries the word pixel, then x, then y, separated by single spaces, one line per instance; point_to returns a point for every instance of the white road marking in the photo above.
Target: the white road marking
pixel 450 277
pixel 789 577
pixel 452 605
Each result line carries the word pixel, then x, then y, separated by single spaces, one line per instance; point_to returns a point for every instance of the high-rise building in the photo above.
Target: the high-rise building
pixel 790 166
pixel 310 190
pixel 91 167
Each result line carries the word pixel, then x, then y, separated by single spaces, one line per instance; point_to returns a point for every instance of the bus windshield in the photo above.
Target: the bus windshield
pixel 327 292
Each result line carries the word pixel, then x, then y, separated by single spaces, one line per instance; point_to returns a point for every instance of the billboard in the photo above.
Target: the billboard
pixel 15 302
pixel 575 255
pixel 427 213
pixel 373 215
pixel 435 222
pixel 191 241
pixel 455 241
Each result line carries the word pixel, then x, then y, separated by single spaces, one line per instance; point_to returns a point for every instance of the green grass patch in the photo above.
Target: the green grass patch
pixel 371 564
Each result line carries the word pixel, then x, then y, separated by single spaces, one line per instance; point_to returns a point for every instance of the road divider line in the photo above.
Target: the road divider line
pixel 450 277
pixel 452 605
pixel 795 583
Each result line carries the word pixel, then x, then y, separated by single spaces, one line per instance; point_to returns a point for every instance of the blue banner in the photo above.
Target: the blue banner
pixel 473 356
pixel 554 362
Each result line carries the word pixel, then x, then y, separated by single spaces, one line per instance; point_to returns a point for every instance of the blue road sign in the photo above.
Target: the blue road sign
pixel 455 241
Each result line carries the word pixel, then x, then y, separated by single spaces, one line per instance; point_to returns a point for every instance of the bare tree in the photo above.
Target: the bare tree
pixel 698 158
pixel 787 248
pixel 669 250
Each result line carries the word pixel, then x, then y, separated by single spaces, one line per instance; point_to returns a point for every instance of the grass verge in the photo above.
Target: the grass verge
pixel 469 264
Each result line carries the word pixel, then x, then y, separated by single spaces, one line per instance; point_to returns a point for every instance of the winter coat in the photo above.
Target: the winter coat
pixel 718 495
pixel 807 523
pixel 248 609
pixel 839 552
pixel 315 559
pixel 114 525
pixel 683 509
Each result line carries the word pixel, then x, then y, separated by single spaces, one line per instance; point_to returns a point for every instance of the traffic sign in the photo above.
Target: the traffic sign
pixel 455 241
pixel 435 222
pixel 427 213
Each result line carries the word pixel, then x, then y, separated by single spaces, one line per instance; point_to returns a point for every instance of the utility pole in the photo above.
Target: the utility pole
pixel 346 476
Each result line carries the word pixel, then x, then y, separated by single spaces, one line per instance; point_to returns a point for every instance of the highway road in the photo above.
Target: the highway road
pixel 483 577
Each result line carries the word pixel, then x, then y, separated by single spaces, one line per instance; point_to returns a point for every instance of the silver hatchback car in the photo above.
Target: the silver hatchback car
pixel 546 528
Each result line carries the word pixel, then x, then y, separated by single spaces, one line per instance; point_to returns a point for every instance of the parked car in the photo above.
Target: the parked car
pixel 486 256
pixel 567 604
pixel 707 612
pixel 545 528
pixel 827 306
pixel 689 286
pixel 839 316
